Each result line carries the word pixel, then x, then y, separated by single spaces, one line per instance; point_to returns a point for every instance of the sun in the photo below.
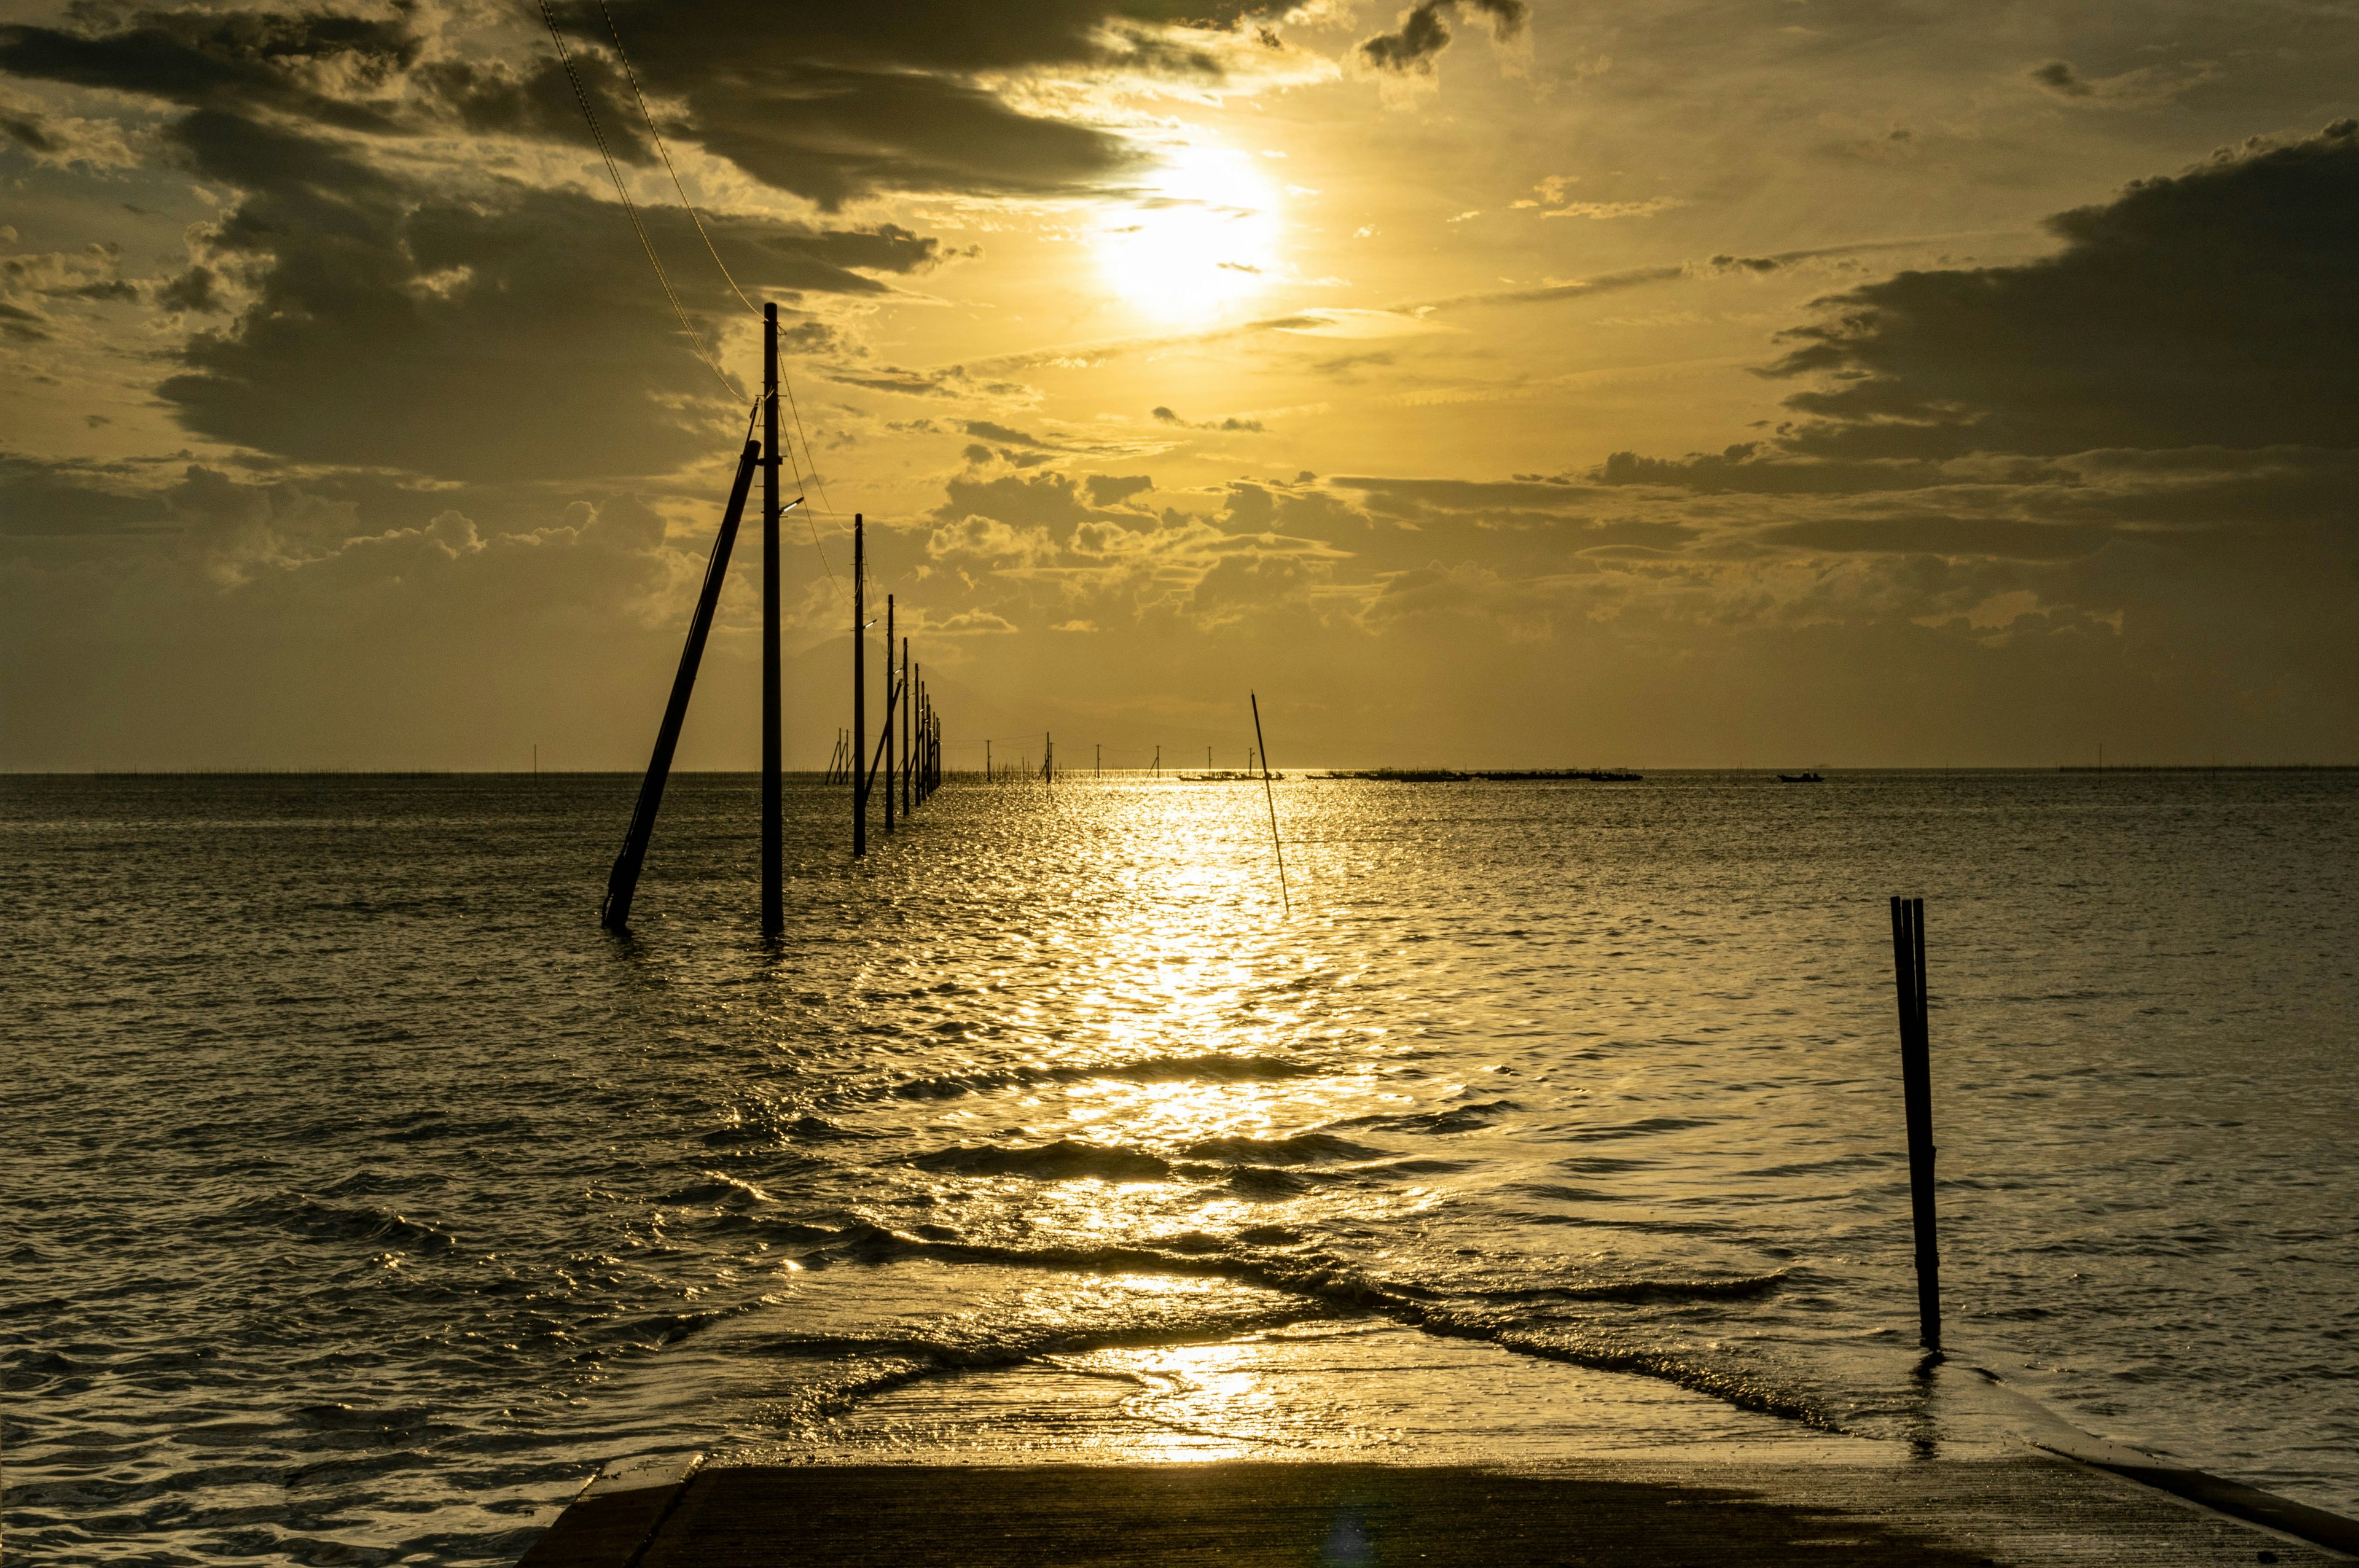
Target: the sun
pixel 1201 238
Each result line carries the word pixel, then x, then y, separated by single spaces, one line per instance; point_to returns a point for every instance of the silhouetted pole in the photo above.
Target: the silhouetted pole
pixel 891 696
pixel 622 880
pixel 1271 795
pixel 859 687
pixel 908 734
pixel 1917 1091
pixel 774 904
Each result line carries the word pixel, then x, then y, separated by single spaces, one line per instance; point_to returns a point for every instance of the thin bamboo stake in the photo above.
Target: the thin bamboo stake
pixel 1271 795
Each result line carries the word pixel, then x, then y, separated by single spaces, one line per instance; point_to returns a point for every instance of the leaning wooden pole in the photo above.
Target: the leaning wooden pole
pixel 623 880
pixel 1270 795
pixel 773 901
pixel 859 687
pixel 1917 1091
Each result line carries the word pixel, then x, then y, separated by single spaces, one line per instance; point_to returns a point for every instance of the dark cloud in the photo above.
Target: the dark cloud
pixel 25 326
pixel 2192 310
pixel 862 99
pixel 986 430
pixel 1751 468
pixel 496 98
pixel 513 331
pixel 1112 490
pixel 318 65
pixel 1982 536
pixel 830 105
pixel 1163 416
pixel 1421 35
pixel 55 500
pixel 2058 77
pixel 25 131
pixel 191 290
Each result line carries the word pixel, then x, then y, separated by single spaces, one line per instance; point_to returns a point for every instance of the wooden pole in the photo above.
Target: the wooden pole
pixel 859 687
pixel 1269 795
pixel 908 734
pixel 1917 1091
pixel 890 695
pixel 774 903
pixel 622 880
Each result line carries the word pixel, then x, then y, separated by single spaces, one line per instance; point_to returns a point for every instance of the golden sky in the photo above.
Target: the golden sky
pixel 1729 383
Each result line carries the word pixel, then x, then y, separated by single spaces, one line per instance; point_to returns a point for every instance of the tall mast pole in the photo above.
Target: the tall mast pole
pixel 859 688
pixel 774 907
pixel 889 696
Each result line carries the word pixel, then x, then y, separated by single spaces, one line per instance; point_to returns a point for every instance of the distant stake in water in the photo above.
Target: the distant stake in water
pixel 1269 795
pixel 1916 1090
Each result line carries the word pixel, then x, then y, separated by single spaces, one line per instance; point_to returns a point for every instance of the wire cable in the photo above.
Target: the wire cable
pixel 632 76
pixel 614 173
pixel 656 136
pixel 582 97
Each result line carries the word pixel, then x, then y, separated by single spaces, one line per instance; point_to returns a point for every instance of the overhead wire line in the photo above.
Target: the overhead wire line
pixel 655 136
pixel 614 173
pixel 633 78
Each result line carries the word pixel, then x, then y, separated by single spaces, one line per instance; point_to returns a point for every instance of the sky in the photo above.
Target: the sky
pixel 1501 382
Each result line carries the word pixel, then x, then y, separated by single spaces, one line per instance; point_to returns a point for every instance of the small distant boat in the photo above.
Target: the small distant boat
pixel 1804 777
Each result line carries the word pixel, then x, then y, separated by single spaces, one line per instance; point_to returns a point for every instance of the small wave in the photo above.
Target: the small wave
pixel 1340 1287
pixel 715 1188
pixel 1063 1161
pixel 1644 1128
pixel 1302 1149
pixel 357 1222
pixel 1215 1066
pixel 1470 1118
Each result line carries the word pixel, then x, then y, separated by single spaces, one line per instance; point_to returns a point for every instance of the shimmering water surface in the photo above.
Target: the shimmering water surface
pixel 361 1194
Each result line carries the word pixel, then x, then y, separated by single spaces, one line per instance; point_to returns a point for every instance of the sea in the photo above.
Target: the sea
pixel 361 1195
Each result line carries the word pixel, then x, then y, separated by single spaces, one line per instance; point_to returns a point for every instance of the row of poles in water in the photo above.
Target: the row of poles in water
pixel 920 753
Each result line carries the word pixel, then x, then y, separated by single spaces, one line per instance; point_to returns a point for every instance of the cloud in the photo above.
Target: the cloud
pixel 2144 87
pixel 1421 36
pixel 2058 77
pixel 1231 424
pixel 1112 490
pixel 922 97
pixel 1605 210
pixel 477 334
pixel 970 622
pixel 312 65
pixel 59 141
pixel 2190 310
pixel 70 500
pixel 871 99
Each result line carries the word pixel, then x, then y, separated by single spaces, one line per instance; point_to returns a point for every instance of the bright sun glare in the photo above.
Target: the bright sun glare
pixel 1200 239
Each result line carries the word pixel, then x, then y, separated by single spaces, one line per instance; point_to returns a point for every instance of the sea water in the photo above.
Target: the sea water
pixel 361 1195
